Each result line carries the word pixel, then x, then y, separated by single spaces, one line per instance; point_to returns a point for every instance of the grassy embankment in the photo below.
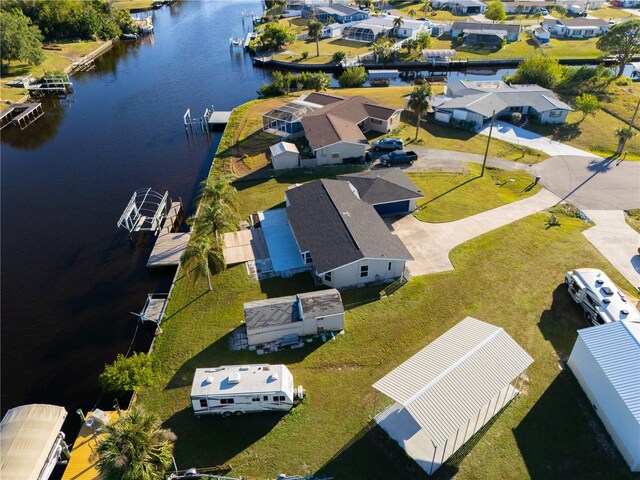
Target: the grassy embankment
pixel 511 277
pixel 610 12
pixel 633 219
pixel 132 4
pixel 56 60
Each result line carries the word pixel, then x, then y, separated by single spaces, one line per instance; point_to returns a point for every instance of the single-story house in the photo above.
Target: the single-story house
pixel 299 4
pixel 606 362
pixel 474 102
pixel 449 390
pixel 341 237
pixel 372 28
pixel 284 155
pixel 526 7
pixel 460 7
pixel 584 4
pixel 303 314
pixel 575 27
pixel 488 33
pixel 285 119
pixel 335 132
pixel 333 30
pixel 541 34
pixel 388 190
pixel 334 13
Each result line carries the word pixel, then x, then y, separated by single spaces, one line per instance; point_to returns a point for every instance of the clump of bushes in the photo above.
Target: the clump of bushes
pixel 127 374
pixel 353 77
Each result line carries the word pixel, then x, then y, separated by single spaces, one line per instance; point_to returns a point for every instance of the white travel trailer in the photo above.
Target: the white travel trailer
pixel 598 296
pixel 237 389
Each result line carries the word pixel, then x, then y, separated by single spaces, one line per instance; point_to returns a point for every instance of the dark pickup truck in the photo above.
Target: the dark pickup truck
pixel 398 157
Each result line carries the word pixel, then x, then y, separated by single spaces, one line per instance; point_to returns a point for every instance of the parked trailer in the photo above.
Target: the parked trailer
pixel 237 389
pixel 599 297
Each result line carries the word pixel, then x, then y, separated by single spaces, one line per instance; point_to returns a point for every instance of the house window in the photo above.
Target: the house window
pixel 389 266
pixel 364 270
pixel 335 155
pixel 376 122
pixel 203 403
pixel 327 277
pixel 278 398
pixel 307 258
pixel 255 399
pixel 265 398
pixel 227 401
pixel 555 113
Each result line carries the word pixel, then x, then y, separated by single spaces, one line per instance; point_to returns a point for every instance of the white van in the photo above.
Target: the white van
pixel 598 296
pixel 237 389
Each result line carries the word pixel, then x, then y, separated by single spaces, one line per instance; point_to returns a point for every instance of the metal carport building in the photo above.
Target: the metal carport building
pixel 450 389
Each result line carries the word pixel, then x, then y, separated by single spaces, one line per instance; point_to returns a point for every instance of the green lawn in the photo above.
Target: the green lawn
pixel 609 12
pixel 633 219
pixel 512 277
pixel 132 4
pixel 594 134
pixel 450 196
pixel 621 100
pixel 56 60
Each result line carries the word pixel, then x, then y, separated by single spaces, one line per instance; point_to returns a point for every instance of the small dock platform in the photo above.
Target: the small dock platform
pixel 219 118
pixel 168 249
pixel 154 307
pixel 21 114
pixel 82 464
pixel 248 39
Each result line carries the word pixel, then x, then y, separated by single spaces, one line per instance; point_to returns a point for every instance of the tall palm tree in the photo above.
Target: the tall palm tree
pixel 624 134
pixel 135 447
pixel 202 252
pixel 412 13
pixel 214 219
pixel 397 23
pixel 219 191
pixel 419 102
pixel 315 32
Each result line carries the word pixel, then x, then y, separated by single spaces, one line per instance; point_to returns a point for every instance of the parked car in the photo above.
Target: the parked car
pixel 543 11
pixel 388 144
pixel 398 157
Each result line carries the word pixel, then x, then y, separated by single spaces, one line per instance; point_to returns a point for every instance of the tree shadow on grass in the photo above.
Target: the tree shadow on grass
pixel 425 204
pixel 210 441
pixel 562 437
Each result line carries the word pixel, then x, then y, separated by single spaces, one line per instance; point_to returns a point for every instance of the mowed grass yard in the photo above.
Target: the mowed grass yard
pixel 512 277
pixel 56 60
pixel 450 196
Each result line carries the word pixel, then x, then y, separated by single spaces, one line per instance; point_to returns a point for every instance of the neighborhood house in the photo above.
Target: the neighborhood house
pixel 472 103
pixel 298 315
pixel 341 237
pixel 575 27
pixel 460 7
pixel 372 28
pixel 335 13
pixel 474 33
pixel 525 7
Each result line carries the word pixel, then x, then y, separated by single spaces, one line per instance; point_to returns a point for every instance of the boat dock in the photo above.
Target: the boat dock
pixel 154 308
pixel 170 245
pixel 82 464
pixel 53 85
pixel 218 118
pixel 21 114
pixel 248 39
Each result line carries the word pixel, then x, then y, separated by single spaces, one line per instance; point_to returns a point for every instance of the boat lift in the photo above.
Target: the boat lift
pixel 145 212
pixel 154 307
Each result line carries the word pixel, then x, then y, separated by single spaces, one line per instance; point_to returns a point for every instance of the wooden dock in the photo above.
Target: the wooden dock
pixel 218 118
pixel 168 249
pixel 244 246
pixel 82 464
pixel 248 39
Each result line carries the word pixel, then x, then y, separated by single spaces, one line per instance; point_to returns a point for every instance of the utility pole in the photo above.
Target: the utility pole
pixel 486 152
pixel 635 114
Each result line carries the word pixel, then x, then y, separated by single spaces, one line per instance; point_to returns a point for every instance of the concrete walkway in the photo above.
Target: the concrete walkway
pixel 617 241
pixel 519 136
pixel 430 243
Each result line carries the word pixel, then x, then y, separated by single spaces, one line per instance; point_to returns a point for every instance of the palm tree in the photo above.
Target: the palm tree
pixel 315 32
pixel 419 102
pixel 215 219
pixel 203 251
pixel 220 191
pixel 135 447
pixel 397 23
pixel 624 134
pixel 412 13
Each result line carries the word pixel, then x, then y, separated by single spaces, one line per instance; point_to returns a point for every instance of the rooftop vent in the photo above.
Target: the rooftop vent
pixel 624 312
pixel 208 380
pixel 274 377
pixel 599 281
pixel 234 378
pixel 607 291
pixel 606 300
pixel 244 368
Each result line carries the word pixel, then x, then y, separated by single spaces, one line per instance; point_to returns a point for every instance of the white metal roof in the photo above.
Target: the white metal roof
pixel 282 147
pixel 27 436
pixel 616 348
pixel 241 379
pixel 447 382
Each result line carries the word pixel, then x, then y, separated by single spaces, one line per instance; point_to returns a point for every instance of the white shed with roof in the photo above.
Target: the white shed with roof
pixel 284 155
pixel 450 389
pixel 606 361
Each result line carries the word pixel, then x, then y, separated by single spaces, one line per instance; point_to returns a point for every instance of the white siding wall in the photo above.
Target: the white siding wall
pixel 349 275
pixel 285 160
pixel 270 334
pixel 333 323
pixel 618 420
pixel 342 150
pixel 545 117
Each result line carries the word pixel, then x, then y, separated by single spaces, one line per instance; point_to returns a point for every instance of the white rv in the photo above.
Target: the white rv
pixel 238 389
pixel 598 296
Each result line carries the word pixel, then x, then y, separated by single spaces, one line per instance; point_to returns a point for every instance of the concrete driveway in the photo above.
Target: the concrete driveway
pixel 617 241
pixel 592 183
pixel 520 136
pixel 430 243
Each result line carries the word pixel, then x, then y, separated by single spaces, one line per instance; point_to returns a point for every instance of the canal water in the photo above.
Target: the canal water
pixel 70 278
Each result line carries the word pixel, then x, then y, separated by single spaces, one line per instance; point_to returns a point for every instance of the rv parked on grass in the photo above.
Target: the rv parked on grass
pixel 237 389
pixel 598 296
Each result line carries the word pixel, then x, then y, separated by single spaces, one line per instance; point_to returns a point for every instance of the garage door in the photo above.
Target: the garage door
pixel 395 207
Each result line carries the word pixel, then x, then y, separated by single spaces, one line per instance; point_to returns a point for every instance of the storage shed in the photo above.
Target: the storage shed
pixel 284 155
pixel 450 389
pixel 606 362
pixel 303 314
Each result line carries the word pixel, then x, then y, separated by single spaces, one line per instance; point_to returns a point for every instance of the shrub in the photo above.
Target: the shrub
pixel 353 77
pixel 304 55
pixel 516 117
pixel 127 374
pixel 339 56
